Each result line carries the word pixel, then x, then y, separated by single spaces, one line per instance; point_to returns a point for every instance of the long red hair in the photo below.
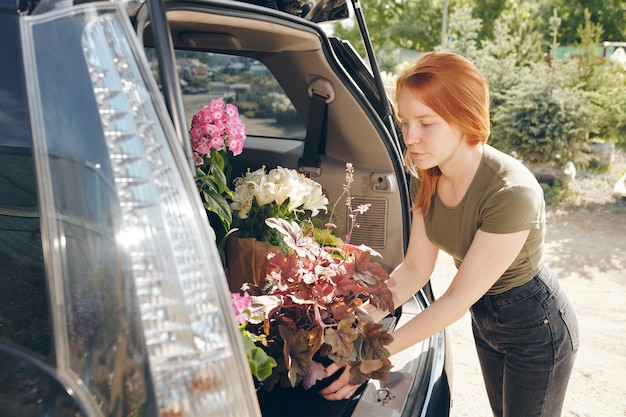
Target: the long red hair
pixel 454 89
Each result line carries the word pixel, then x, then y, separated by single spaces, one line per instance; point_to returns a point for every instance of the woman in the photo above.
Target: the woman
pixel 487 211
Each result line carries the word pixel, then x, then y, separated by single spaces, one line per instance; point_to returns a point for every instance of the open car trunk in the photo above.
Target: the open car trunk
pixel 311 104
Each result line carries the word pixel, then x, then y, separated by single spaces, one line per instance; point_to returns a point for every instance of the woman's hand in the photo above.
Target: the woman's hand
pixel 340 389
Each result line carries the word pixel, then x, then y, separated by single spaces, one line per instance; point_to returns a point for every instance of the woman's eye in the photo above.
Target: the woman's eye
pixel 404 125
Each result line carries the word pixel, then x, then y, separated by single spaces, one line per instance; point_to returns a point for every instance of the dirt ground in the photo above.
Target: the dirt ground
pixel 586 247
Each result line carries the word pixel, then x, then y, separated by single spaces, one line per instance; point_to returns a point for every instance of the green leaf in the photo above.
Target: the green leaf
pixel 261 364
pixel 217 204
pixel 217 165
pixel 221 181
pixel 218 160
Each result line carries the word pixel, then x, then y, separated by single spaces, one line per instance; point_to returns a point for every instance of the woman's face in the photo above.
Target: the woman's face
pixel 430 140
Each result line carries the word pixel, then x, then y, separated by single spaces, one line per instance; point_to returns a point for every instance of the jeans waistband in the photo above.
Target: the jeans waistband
pixel 544 279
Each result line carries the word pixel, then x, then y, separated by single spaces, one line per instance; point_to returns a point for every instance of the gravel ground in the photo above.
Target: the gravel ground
pixel 586 248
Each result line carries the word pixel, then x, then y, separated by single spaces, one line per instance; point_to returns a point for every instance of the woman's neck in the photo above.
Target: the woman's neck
pixel 458 173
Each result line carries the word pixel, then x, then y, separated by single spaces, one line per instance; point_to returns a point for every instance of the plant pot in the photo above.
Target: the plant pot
pixel 246 260
pixel 298 402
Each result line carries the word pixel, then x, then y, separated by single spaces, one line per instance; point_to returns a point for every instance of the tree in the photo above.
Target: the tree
pixel 409 24
pixel 589 34
pixel 544 121
pixel 378 16
pixel 542 109
pixel 607 13
pixel 464 31
pixel 488 12
pixel 521 22
pixel 604 83
pixel 498 62
pixel 419 25
pixel 537 112
pixel 416 24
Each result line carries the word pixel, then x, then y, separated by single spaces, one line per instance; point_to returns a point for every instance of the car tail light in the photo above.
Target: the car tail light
pixel 163 239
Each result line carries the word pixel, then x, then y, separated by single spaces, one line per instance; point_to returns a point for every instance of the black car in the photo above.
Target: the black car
pixel 114 301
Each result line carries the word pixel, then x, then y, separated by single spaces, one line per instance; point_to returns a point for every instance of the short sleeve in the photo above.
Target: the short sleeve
pixel 511 210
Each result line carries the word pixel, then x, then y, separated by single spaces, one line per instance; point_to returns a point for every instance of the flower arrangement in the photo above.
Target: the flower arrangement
pixel 216 130
pixel 310 310
pixel 280 193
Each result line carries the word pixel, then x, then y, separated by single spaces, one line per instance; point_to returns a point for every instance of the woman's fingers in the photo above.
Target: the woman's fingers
pixel 340 389
pixel 332 368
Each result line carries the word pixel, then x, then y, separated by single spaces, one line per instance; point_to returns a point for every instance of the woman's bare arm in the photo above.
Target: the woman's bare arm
pixel 488 257
pixel 413 273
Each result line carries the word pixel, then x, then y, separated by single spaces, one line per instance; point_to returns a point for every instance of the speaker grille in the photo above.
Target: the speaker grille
pixel 372 230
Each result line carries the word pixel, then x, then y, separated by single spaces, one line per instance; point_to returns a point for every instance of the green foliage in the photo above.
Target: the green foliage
pixel 488 11
pixel 408 24
pixel 520 25
pixel 261 364
pixel 416 24
pixel 542 121
pixel 608 105
pixel 558 194
pixel 506 58
pixel 254 224
pixel 607 13
pixel 589 34
pixel 543 112
pixel 612 119
pixel 378 16
pixel 604 84
pixel 464 30
pixel 515 39
pixel 500 69
pixel 212 183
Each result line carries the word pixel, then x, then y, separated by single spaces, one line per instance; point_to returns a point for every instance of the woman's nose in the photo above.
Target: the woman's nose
pixel 411 137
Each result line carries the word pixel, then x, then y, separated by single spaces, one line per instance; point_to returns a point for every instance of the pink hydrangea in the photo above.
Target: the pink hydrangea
pixel 215 126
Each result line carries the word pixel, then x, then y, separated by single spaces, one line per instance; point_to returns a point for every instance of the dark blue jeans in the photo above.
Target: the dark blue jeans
pixel 526 338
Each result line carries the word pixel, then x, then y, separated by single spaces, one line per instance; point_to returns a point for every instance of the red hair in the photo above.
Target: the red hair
pixel 454 89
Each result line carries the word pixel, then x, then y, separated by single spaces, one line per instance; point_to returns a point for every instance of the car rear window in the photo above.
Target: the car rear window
pixel 263 105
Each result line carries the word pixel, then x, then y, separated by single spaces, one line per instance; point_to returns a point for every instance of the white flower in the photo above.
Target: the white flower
pixel 265 192
pixel 278 186
pixel 315 200
pixel 245 191
pixel 283 179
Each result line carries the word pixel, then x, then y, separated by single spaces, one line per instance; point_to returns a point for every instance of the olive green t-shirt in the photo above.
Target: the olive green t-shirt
pixel 503 197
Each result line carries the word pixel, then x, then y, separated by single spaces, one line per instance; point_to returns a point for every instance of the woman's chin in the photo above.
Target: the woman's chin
pixel 422 163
